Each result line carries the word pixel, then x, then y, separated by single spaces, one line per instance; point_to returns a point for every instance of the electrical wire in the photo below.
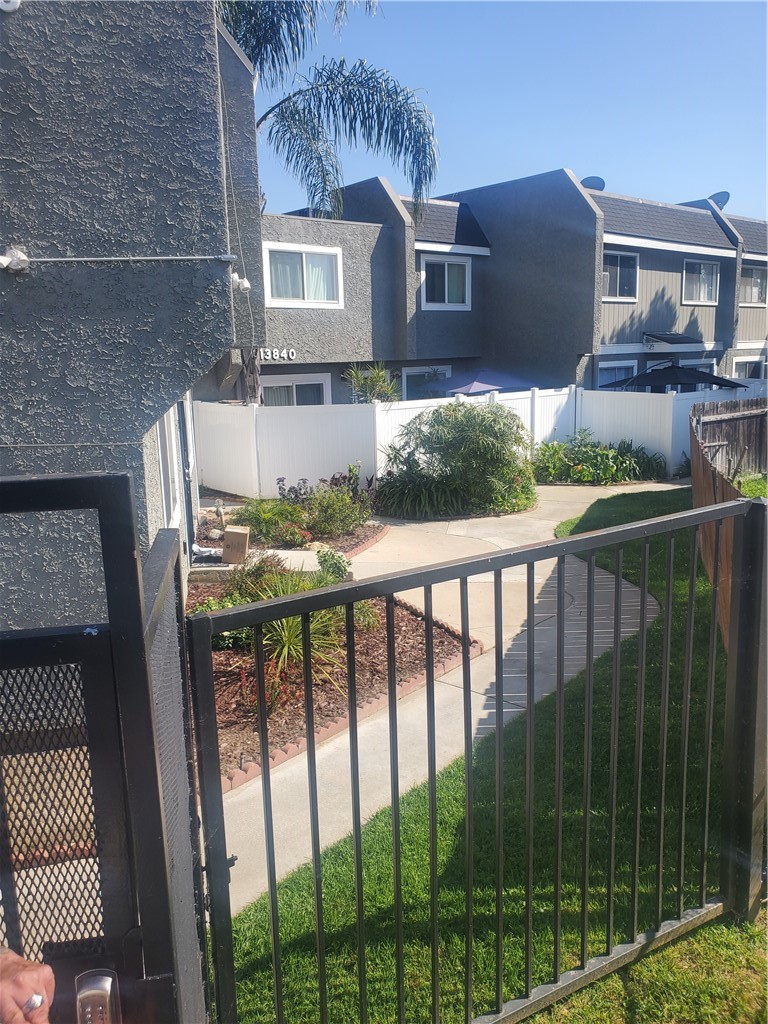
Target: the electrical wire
pixel 253 352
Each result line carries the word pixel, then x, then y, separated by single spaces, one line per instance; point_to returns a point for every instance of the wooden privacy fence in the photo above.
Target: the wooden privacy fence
pixel 728 440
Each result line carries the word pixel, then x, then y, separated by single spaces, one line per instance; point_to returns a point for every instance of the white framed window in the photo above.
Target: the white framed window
pixel 620 276
pixel 608 373
pixel 752 286
pixel 701 283
pixel 749 368
pixel 425 381
pixel 170 484
pixel 446 282
pixel 303 276
pixel 706 365
pixel 281 389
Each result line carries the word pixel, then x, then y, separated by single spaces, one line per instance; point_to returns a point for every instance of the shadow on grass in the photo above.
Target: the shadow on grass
pixel 295 894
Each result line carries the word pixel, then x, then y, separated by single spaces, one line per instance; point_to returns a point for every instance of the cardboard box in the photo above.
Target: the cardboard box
pixel 236 544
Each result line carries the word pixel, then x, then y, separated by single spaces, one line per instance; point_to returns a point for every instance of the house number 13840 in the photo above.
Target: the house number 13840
pixel 277 353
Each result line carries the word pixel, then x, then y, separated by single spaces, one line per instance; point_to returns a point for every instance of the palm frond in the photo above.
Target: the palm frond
pixel 341 10
pixel 361 105
pixel 274 34
pixel 302 143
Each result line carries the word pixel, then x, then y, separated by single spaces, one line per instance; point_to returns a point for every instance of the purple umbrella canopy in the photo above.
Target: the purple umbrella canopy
pixel 661 376
pixel 483 381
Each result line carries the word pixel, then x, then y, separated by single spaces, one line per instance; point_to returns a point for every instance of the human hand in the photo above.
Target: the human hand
pixel 20 980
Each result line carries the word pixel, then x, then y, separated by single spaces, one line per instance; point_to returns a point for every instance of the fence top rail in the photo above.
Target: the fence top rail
pixel 392 583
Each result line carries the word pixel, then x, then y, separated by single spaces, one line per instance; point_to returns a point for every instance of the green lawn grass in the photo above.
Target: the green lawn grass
pixel 650 991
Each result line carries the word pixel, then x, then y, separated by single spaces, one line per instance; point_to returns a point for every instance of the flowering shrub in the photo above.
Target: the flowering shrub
pixel 292 535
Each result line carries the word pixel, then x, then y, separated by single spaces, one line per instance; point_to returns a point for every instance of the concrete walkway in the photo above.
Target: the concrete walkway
pixel 407 546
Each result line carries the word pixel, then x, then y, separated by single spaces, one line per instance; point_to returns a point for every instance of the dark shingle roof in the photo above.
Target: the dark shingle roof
pixel 754 233
pixel 447 223
pixel 644 218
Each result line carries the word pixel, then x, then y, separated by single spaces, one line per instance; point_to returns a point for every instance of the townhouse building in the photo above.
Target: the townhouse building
pixel 552 279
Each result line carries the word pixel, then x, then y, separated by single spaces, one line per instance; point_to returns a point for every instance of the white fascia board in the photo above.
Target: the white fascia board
pixel 459 250
pixel 658 346
pixel 651 243
pixel 756 257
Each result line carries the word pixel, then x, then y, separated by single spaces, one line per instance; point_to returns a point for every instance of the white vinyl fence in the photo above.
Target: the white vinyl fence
pixel 245 449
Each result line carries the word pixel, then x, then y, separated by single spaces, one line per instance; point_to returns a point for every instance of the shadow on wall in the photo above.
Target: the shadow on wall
pixel 662 315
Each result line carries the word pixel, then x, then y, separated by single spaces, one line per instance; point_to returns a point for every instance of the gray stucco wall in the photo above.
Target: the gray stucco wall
pixel 445 333
pixel 365 328
pixel 542 278
pixel 111 148
pixel 243 191
pixel 659 301
pixel 375 200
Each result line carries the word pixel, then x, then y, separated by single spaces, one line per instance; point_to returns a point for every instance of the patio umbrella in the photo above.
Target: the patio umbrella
pixel 480 382
pixel 661 376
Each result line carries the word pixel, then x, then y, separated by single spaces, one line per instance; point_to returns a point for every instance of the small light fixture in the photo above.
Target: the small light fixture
pixel 241 283
pixel 14 259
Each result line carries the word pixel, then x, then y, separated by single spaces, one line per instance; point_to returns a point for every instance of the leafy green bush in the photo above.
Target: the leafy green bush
pixel 458 459
pixel 243 580
pixel 753 486
pixel 581 459
pixel 332 511
pixel 333 564
pixel 266 516
pixel 237 639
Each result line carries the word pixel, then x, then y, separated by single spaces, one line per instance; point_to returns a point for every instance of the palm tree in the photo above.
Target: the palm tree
pixel 334 103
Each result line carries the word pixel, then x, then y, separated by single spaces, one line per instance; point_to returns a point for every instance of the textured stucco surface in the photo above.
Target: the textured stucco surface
pixel 111 147
pixel 243 192
pixel 365 328
pixel 543 311
pixel 442 333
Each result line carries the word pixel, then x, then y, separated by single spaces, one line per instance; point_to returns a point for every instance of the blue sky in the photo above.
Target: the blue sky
pixel 664 100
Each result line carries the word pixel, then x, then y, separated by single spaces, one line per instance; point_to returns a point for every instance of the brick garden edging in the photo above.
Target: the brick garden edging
pixel 368 543
pixel 252 769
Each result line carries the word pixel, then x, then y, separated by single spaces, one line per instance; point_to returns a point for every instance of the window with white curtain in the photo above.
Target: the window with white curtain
pixel 296 389
pixel 297 275
pixel 700 283
pixel 609 373
pixel 752 286
pixel 620 277
pixel 446 282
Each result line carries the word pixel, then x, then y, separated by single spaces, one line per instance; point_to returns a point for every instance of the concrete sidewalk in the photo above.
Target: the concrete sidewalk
pixel 407 546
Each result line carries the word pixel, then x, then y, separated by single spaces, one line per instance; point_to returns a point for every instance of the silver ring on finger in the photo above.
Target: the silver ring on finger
pixel 34 1002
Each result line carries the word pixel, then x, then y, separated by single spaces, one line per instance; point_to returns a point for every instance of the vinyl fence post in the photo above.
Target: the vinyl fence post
pixel 744 767
pixel 534 403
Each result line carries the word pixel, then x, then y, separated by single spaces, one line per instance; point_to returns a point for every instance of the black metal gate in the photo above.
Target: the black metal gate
pixel 683 890
pixel 97 814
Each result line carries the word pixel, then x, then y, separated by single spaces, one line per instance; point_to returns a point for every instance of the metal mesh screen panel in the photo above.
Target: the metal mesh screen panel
pixel 172 754
pixel 49 841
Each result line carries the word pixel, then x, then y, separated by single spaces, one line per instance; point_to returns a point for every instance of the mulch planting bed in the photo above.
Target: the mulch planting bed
pixel 235 683
pixel 350 543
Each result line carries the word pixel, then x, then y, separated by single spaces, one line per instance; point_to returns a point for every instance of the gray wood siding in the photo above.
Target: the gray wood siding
pixel 659 301
pixel 752 322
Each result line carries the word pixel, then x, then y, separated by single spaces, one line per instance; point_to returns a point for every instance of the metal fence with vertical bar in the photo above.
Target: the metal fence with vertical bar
pixel 588 831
